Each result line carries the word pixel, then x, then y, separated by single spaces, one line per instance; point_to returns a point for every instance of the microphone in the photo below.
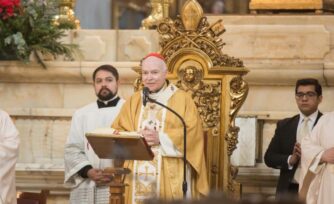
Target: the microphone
pixel 147 98
pixel 145 95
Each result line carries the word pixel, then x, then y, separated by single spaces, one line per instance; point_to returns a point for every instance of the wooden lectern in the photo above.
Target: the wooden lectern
pixel 111 144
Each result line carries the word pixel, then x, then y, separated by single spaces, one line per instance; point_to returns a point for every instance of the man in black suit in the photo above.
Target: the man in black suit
pixel 284 150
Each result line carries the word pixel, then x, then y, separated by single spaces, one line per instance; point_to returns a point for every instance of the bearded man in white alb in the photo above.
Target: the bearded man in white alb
pixel 83 168
pixel 9 145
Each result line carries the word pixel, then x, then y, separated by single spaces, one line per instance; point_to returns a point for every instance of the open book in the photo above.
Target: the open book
pixel 109 143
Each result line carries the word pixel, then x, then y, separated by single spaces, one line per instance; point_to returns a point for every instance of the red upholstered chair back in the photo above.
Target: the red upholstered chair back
pixel 33 198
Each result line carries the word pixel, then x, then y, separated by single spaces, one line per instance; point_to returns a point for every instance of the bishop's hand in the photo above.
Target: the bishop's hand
pixel 151 136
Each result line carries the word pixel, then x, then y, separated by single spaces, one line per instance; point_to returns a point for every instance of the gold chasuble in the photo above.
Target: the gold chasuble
pixel 163 176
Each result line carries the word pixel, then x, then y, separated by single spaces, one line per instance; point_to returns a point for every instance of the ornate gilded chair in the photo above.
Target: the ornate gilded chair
pixel 193 52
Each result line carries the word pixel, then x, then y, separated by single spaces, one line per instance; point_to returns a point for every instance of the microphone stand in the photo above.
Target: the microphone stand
pixel 184 184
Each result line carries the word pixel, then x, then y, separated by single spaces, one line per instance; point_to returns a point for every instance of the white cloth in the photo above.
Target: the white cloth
pixel 78 153
pixel 166 144
pixel 317 185
pixel 9 144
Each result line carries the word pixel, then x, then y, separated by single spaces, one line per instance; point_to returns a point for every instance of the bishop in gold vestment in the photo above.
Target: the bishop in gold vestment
pixel 163 131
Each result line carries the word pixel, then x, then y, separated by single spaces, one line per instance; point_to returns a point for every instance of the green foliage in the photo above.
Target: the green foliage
pixel 30 29
pixel 65 24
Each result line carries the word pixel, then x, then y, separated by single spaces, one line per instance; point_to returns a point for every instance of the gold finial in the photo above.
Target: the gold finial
pixel 192 13
pixel 160 10
pixel 66 18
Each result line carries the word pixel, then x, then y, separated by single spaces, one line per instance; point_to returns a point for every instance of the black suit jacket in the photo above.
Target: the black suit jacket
pixel 280 148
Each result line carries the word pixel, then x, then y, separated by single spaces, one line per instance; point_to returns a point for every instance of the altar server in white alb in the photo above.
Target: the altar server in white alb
pixel 317 163
pixel 83 168
pixel 9 145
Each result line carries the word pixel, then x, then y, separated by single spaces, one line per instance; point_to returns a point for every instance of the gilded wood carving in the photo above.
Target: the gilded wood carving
pixel 285 4
pixel 160 10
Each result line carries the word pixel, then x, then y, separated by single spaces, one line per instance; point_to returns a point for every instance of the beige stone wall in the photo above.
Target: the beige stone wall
pixel 278 50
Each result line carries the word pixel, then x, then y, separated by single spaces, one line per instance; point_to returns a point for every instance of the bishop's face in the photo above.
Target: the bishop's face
pixel 153 74
pixel 105 85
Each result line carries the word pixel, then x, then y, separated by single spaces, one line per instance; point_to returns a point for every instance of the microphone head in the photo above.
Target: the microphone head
pixel 146 91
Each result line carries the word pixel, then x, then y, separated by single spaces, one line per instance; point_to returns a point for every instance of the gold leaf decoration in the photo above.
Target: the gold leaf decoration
pixel 190 32
pixel 191 15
